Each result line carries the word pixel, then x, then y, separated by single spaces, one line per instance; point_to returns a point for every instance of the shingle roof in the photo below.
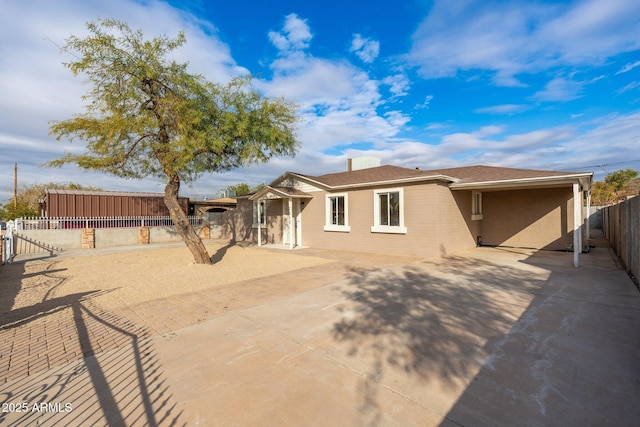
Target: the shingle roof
pixel 370 175
pixel 461 175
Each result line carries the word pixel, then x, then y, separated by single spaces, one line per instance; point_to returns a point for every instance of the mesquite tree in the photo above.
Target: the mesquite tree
pixel 146 115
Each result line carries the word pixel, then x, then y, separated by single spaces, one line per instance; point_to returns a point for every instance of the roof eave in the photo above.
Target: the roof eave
pixel 584 179
pixel 437 177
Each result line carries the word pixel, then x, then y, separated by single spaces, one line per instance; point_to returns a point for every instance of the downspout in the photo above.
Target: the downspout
pixel 577 219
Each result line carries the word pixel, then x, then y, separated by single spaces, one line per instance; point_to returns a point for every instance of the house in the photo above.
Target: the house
pixel 425 213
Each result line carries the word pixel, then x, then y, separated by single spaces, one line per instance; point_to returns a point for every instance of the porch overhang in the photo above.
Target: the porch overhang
pixel 280 193
pixel 269 192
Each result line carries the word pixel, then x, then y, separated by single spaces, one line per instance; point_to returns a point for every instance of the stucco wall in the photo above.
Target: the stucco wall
pixel 106 237
pixel 456 230
pixel 438 221
pixel 42 241
pixel 420 215
pixel 236 223
pixel 534 218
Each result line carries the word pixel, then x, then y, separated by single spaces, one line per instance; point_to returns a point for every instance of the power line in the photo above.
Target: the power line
pixel 608 164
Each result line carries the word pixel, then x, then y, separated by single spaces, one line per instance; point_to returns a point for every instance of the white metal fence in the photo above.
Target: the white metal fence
pixel 113 222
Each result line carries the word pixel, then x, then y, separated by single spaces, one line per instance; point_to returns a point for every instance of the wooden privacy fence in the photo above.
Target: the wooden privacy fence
pixel 621 226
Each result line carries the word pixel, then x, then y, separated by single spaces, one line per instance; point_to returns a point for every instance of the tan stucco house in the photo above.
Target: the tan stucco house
pixel 426 213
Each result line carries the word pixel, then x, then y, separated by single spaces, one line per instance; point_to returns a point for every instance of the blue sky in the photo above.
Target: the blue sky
pixel 533 84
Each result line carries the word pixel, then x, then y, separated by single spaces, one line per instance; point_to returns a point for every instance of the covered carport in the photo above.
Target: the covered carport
pixel 540 212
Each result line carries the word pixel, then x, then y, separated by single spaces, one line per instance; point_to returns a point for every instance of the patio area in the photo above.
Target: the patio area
pixel 494 336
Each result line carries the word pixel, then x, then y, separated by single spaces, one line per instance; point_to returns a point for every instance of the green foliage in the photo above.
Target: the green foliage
pixel 9 211
pixel 616 186
pixel 602 194
pixel 147 116
pixel 259 187
pixel 619 179
pixel 239 189
pixel 243 188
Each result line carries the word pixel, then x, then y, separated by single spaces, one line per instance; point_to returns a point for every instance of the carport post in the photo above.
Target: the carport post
pixel 577 223
pixel 588 224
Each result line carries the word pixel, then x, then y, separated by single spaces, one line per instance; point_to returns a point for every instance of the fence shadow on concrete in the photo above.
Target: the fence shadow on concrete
pixel 72 363
pixel 429 322
pixel 568 359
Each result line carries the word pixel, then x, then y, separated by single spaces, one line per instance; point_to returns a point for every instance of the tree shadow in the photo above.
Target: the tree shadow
pixel 78 364
pixel 429 320
pixel 221 252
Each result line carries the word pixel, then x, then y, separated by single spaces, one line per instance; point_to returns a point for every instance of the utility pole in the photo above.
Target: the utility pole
pixel 15 185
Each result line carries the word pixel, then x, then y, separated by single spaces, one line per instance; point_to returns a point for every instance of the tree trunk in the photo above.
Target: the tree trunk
pixel 181 222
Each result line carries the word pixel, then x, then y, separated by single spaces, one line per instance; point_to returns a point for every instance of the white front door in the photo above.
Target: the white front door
pixel 291 229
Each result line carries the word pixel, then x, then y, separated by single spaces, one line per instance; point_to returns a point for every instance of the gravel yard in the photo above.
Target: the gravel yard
pixel 131 277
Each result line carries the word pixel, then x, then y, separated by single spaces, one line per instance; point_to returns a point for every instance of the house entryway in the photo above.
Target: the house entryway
pixel 291 223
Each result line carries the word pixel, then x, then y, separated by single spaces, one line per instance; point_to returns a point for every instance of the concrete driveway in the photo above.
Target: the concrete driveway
pixel 491 337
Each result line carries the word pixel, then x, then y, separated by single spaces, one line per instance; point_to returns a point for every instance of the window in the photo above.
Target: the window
pixel 476 205
pixel 259 208
pixel 337 209
pixel 388 211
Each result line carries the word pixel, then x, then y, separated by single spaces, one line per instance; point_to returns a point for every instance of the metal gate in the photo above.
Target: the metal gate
pixel 7 246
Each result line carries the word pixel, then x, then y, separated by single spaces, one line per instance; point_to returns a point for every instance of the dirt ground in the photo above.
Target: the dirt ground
pixel 131 277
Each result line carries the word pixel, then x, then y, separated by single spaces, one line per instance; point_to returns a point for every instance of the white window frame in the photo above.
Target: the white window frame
pixel 380 228
pixel 256 213
pixel 328 226
pixel 476 205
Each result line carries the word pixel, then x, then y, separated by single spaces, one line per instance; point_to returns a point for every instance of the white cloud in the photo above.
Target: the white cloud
pixel 628 67
pixel 295 34
pixel 558 148
pixel 559 89
pixel 338 101
pixel 424 105
pixel 522 37
pixel 36 88
pixel 630 86
pixel 366 49
pixel 399 84
pixel 503 109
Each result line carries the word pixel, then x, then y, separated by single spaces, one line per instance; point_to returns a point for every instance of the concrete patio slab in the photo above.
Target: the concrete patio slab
pixel 495 336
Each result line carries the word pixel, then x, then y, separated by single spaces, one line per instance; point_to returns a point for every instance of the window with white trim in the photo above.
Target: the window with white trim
pixel 337 212
pixel 388 211
pixel 259 211
pixel 476 205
